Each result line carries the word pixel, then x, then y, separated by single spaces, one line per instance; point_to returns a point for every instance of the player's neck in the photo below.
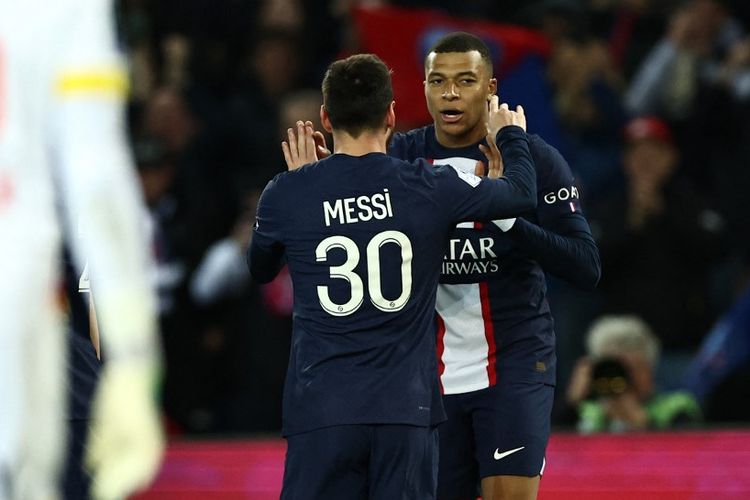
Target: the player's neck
pixel 367 142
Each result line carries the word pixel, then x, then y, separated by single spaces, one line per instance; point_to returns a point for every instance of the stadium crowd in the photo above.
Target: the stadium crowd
pixel 649 101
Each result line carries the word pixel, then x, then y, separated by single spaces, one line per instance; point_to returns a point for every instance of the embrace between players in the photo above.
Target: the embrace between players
pixel 390 265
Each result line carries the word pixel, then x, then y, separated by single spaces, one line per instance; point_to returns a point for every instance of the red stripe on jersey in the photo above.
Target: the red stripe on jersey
pixel 440 349
pixel 489 331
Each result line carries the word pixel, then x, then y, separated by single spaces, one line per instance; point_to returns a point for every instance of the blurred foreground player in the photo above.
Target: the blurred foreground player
pixel 61 87
pixel 363 235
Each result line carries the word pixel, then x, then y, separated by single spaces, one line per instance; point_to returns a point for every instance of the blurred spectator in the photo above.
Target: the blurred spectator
pixel 136 30
pixel 157 170
pixel 700 35
pixel 246 326
pixel 588 104
pixel 557 19
pixel 275 63
pixel 613 386
pixel 203 21
pixel 222 272
pixel 250 117
pixel 169 118
pixel 169 233
pixel 701 68
pixel 202 178
pixel 576 101
pixel 176 49
pixel 282 15
pixel 301 105
pixel 184 213
pixel 720 372
pixel 245 334
pixel 630 28
pixel 658 241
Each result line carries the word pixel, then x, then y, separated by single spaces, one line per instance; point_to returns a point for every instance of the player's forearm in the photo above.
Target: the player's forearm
pixel 573 256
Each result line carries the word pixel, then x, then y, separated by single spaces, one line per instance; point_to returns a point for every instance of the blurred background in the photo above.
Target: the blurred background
pixel 649 101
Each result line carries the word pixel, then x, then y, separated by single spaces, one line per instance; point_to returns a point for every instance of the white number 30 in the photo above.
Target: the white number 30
pixel 346 272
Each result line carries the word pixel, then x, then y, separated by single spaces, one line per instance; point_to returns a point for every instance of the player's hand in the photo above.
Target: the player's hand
pixel 126 440
pixel 321 148
pixel 300 148
pixel 495 166
pixel 579 385
pixel 500 116
pixel 628 409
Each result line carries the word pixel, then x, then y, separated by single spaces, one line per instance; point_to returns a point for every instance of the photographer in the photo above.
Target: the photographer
pixel 613 388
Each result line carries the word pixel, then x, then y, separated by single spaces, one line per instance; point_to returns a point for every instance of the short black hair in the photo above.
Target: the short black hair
pixel 357 93
pixel 460 41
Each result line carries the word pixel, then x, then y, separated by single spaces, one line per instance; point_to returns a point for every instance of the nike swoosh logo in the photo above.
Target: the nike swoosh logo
pixel 504 454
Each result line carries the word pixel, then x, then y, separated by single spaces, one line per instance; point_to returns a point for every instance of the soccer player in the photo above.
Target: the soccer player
pixel 363 235
pixel 61 140
pixel 496 342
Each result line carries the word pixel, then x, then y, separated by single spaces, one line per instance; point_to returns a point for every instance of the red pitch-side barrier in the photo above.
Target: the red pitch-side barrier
pixel 711 465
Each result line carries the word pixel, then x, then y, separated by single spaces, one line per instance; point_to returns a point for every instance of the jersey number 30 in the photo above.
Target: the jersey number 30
pixel 346 272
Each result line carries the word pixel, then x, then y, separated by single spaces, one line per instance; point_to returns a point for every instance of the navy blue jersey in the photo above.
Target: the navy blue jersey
pixel 364 239
pixel 83 365
pixel 494 319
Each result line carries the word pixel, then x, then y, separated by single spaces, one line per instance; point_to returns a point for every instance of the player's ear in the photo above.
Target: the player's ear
pixel 390 117
pixel 492 88
pixel 325 120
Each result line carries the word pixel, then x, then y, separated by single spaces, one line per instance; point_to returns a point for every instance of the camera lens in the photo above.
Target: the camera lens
pixel 609 378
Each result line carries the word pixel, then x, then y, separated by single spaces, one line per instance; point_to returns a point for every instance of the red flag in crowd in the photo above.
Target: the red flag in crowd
pixel 402 37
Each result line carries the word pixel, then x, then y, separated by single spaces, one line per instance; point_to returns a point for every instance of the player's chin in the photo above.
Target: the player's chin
pixel 453 129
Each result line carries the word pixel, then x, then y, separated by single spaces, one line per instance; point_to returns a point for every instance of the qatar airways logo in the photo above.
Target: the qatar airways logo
pixel 463 257
pixel 464 268
pixel 562 194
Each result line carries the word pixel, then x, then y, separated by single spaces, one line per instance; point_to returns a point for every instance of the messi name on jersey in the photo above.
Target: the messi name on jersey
pixel 358 209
